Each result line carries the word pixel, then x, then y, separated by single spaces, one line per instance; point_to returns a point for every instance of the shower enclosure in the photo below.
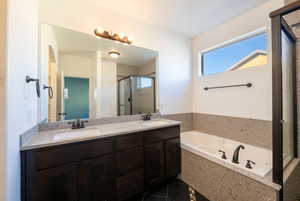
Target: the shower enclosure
pixel 136 95
pixel 285 136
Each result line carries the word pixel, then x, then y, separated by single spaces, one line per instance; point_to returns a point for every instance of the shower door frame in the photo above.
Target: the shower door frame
pixel 130 92
pixel 278 25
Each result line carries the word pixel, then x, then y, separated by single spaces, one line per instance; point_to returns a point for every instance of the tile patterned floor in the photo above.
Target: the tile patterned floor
pixel 174 190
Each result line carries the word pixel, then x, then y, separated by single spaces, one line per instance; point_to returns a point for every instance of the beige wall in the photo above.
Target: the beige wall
pixel 148 68
pixel 255 102
pixel 125 70
pixel 3 133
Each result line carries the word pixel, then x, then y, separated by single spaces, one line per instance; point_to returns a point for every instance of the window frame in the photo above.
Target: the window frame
pixel 246 36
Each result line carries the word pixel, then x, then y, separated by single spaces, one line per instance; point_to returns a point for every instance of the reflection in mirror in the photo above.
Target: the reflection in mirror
pixel 89 77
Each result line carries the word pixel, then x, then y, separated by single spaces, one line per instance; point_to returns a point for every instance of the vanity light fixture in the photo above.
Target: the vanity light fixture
pixel 118 37
pixel 114 54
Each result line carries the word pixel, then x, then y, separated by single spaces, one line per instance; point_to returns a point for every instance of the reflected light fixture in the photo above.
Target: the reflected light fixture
pixel 117 37
pixel 114 54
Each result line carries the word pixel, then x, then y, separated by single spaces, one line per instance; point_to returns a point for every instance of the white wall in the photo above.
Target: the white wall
pixel 47 38
pixel 108 92
pixel 21 107
pixel 174 63
pixel 83 65
pixel 3 30
pixel 255 102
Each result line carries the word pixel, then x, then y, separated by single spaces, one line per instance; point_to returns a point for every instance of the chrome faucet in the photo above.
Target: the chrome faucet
pixel 235 158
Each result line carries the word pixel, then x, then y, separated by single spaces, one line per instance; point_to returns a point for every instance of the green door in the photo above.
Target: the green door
pixel 76 98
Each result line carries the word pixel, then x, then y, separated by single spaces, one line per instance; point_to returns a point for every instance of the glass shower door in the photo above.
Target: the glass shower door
pixel 124 97
pixel 287 99
pixel 143 94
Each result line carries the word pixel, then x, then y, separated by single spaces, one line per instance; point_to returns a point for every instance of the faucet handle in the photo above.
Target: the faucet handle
pixel 223 154
pixel 248 165
pixel 82 124
pixel 73 124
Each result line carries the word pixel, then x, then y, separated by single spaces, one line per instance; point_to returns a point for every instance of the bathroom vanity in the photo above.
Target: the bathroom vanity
pixel 109 166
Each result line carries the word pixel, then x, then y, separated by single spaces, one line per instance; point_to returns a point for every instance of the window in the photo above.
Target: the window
pixel 247 53
pixel 144 82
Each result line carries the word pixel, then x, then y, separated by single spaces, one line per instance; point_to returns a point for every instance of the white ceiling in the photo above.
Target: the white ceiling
pixel 187 17
pixel 76 42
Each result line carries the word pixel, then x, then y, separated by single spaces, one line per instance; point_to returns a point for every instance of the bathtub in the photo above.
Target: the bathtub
pixel 208 146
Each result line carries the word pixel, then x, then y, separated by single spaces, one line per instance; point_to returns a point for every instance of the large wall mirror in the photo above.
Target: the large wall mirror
pixel 85 77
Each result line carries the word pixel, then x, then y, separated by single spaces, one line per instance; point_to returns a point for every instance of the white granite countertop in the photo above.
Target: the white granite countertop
pixel 66 136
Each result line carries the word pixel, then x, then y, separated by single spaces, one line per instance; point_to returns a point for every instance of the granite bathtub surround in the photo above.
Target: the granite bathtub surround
pixel 219 183
pixel 292 181
pixel 92 122
pixel 52 137
pixel 250 131
pixel 185 118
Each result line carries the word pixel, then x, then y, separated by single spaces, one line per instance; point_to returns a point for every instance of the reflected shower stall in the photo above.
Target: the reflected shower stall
pixel 136 95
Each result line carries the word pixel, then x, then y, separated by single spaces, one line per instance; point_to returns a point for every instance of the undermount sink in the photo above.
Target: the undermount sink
pixel 154 123
pixel 73 133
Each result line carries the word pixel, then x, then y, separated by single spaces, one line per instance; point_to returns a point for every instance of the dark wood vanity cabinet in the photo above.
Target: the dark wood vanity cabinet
pixel 55 184
pixel 155 163
pixel 162 155
pixel 109 169
pixel 173 157
pixel 96 179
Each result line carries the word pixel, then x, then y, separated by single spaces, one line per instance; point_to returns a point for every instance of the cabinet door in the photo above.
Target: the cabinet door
pixel 96 179
pixel 136 158
pixel 154 163
pixel 173 157
pixel 130 185
pixel 56 184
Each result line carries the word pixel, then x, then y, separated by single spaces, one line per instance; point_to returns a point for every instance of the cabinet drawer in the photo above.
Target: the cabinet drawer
pixel 129 141
pixel 130 185
pixel 96 148
pixel 57 156
pixel 71 153
pixel 161 134
pixel 129 160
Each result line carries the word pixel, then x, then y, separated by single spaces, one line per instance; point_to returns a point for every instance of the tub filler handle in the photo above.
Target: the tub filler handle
pixel 249 162
pixel 223 154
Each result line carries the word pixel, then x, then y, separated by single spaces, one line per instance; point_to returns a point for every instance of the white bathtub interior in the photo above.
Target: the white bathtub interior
pixel 210 145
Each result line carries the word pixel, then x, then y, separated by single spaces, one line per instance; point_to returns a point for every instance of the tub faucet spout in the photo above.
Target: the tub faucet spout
pixel 235 158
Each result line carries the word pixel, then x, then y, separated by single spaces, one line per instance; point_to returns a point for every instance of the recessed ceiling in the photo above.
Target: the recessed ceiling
pixel 187 17
pixel 69 41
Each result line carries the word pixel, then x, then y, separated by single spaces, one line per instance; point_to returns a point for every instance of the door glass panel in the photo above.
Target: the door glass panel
pixel 124 97
pixel 142 95
pixel 76 98
pixel 287 98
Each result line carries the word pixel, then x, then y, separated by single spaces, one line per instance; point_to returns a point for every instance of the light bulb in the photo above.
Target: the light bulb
pixel 121 35
pixel 100 30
